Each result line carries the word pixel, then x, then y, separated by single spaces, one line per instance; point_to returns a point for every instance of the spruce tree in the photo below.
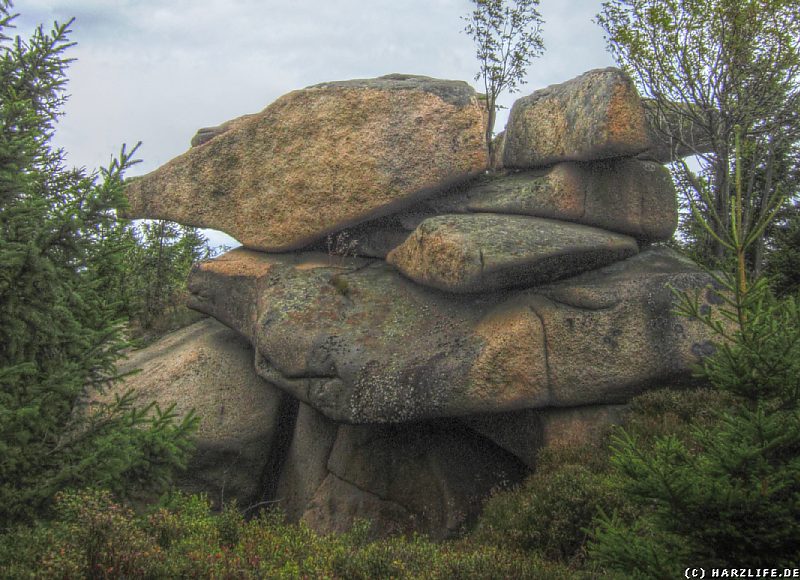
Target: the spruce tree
pixel 730 495
pixel 157 265
pixel 59 338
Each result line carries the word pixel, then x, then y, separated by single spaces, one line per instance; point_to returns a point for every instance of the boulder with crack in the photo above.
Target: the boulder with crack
pixel 361 344
pixel 208 368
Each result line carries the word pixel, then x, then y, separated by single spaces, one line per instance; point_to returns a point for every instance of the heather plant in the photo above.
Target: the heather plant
pixel 551 514
pixel 548 514
pixel 94 536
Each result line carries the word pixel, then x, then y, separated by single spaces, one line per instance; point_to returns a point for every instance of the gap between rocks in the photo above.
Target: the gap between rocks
pixel 284 433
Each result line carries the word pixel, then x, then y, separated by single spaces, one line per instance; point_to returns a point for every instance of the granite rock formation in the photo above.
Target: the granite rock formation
pixel 209 368
pixel 597 115
pixel 432 329
pixel 362 344
pixel 320 159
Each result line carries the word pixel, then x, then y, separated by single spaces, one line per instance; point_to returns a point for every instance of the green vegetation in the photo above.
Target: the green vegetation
pixel 507 36
pixel 725 494
pixel 707 477
pixel 714 69
pixel 783 258
pixel 61 316
pixel 95 537
pixel 151 263
pixel 539 530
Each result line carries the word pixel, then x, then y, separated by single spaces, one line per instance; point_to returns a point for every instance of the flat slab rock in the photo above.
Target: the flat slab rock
pixel 636 198
pixel 361 344
pixel 320 159
pixel 596 115
pixel 627 196
pixel 483 252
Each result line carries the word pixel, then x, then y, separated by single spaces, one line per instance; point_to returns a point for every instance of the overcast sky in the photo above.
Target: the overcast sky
pixel 157 70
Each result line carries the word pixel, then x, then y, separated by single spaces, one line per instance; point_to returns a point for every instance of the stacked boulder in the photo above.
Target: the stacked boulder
pixel 435 326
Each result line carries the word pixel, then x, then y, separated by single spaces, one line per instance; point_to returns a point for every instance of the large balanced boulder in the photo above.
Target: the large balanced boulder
pixel 208 368
pixel 628 196
pixel 485 252
pixel 597 115
pixel 361 344
pixel 420 329
pixel 321 159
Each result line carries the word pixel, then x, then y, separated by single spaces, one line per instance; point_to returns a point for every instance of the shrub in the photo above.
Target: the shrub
pixel 96 537
pixel 551 514
pixel 548 514
pixel 725 493
pixel 92 536
pixel 674 412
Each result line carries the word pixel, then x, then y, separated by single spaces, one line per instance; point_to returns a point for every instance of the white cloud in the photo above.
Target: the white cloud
pixel 157 70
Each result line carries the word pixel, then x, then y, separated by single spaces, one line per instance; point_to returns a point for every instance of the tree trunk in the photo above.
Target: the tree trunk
pixel 758 257
pixel 722 198
pixel 490 119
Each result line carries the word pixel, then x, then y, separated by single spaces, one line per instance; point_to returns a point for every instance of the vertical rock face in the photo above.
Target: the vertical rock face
pixel 320 159
pixel 428 338
pixel 438 472
pixel 430 476
pixel 306 465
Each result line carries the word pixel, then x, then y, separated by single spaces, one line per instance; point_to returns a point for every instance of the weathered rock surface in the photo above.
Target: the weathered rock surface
pixel 511 312
pixel 205 134
pixel 627 196
pixel 321 159
pixel 594 116
pixel 305 466
pixel 361 344
pixel 439 472
pixel 337 505
pixel 430 477
pixel 632 197
pixel 485 252
pixel 623 195
pixel 525 433
pixel 209 368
